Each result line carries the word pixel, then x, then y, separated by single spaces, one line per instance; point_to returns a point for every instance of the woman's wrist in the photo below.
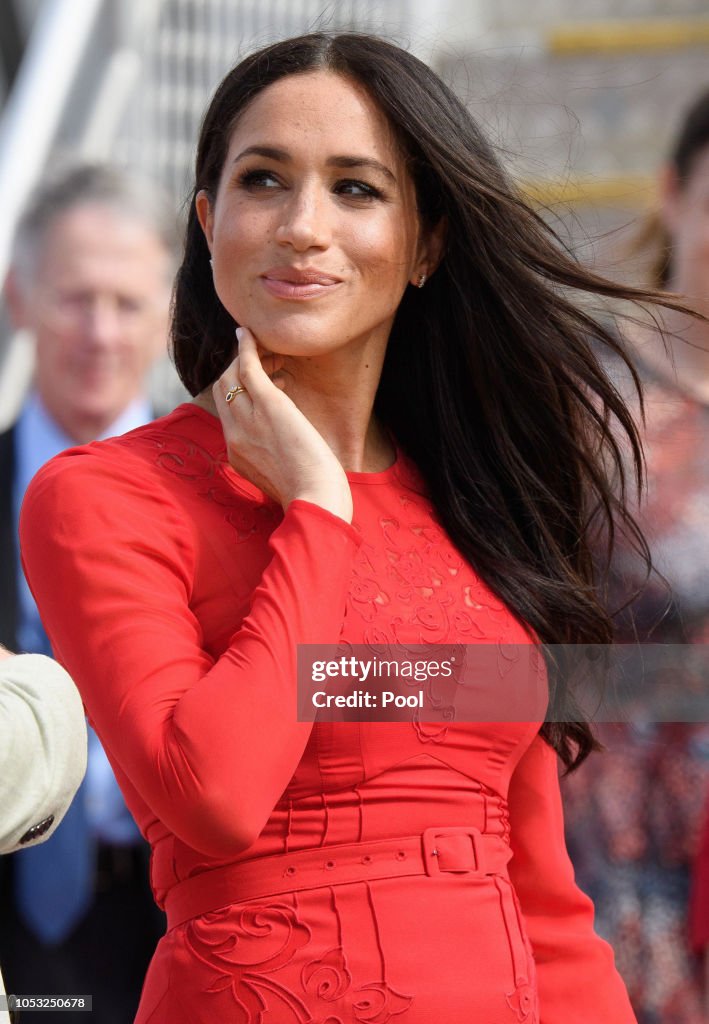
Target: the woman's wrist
pixel 331 499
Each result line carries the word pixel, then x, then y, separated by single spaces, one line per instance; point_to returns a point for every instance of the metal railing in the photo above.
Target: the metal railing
pixel 195 45
pixel 36 103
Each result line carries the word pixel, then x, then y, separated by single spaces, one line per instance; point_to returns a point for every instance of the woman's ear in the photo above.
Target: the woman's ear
pixel 433 243
pixel 205 216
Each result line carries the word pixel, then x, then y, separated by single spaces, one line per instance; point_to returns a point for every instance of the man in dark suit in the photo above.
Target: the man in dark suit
pixel 90 279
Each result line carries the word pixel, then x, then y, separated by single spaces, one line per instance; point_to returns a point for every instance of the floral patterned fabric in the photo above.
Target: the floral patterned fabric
pixel 634 813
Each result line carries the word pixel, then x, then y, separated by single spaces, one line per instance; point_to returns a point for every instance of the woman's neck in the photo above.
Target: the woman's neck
pixel 338 400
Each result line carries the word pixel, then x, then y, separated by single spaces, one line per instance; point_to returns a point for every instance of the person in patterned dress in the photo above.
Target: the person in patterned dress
pixel 633 814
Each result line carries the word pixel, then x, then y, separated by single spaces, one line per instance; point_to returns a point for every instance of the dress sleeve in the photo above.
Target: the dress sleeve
pixel 576 974
pixel 209 745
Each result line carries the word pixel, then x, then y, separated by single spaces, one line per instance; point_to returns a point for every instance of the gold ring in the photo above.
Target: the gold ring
pixel 233 392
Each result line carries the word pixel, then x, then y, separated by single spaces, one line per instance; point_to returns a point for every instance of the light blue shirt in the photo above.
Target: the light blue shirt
pixel 39 438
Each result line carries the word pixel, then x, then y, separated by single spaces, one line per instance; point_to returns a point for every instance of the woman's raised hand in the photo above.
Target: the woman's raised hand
pixel 269 440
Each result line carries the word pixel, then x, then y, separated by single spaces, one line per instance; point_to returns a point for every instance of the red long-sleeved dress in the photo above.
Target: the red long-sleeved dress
pixel 176 593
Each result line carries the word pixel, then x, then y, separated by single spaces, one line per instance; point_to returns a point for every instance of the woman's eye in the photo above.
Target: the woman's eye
pixel 357 189
pixel 259 180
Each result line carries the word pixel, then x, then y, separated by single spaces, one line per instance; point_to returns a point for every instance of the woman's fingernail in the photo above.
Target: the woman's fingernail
pixel 239 333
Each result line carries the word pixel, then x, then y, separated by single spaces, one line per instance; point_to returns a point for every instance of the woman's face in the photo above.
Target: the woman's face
pixel 314 232
pixel 686 215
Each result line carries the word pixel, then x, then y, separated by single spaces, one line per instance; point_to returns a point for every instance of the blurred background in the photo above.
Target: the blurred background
pixel 582 98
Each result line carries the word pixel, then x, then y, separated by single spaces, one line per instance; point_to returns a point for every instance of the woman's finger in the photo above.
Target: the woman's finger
pixel 252 374
pixel 229 386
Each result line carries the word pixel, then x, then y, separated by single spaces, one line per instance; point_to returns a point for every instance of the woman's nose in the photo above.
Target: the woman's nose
pixel 305 221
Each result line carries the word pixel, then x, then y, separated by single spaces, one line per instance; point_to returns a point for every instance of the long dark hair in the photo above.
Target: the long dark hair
pixel 490 381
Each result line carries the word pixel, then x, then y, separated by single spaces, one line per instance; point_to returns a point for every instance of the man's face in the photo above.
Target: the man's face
pixel 98 308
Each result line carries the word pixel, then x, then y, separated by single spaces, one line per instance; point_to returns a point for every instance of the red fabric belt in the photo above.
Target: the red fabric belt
pixel 435 851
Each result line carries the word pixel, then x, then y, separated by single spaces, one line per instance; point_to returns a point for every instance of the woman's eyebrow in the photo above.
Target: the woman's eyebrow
pixel 361 161
pixel 270 152
pixel 282 155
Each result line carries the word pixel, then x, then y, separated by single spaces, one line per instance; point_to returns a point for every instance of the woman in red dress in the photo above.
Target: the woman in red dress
pixel 406 449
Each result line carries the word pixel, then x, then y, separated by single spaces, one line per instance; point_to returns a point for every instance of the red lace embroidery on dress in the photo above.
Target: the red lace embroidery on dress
pixel 415 567
pixel 378 1002
pixel 240 947
pixel 191 461
pixel 328 977
pixel 244 948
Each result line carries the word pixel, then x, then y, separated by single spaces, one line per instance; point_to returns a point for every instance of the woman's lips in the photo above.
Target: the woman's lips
pixel 288 283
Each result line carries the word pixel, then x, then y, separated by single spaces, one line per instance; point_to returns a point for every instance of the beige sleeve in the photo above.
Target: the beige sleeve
pixel 42 748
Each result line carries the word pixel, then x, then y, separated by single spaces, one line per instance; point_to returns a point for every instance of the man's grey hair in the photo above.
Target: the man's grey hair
pixel 92 184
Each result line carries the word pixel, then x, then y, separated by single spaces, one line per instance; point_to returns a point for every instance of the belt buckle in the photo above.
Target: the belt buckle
pixel 434 849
